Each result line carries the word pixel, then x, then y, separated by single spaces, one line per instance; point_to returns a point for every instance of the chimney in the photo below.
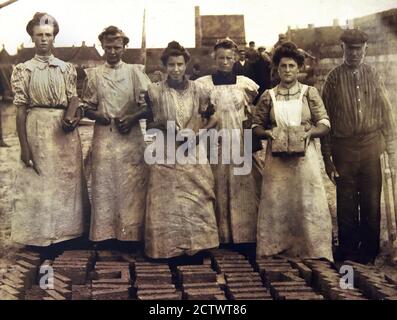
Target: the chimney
pixel 310 26
pixel 199 31
pixel 336 23
pixel 83 44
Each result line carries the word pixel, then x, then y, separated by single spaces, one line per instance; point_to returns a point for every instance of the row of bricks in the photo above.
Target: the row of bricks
pixel 241 282
pixel 199 282
pixel 372 283
pixel 19 277
pixel 153 281
pixel 286 282
pixel 328 281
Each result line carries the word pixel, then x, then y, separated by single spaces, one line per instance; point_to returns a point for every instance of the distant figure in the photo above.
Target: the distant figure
pixel 242 67
pixel 261 70
pixel 196 73
pixel 252 54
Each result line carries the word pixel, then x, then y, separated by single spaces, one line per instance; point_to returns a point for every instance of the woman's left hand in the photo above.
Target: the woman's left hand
pixel 306 137
pixel 125 123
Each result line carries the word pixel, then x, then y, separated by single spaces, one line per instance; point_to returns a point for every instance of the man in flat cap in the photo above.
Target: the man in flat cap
pixel 363 125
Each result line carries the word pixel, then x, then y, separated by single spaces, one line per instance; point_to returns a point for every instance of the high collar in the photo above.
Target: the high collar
pixel 114 66
pixel 178 85
pixel 296 88
pixel 43 62
pixel 222 78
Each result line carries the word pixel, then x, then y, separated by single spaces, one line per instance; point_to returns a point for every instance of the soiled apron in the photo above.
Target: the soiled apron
pixel 293 216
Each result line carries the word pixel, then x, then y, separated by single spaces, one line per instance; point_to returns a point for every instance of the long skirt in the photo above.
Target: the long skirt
pixel 237 201
pixel 119 181
pixel 180 217
pixel 49 208
pixel 294 216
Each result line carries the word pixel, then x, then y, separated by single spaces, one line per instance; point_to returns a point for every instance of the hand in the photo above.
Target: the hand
pixel 306 137
pixel 125 123
pixel 27 159
pixel 268 134
pixel 330 169
pixel 142 101
pixel 209 112
pixel 70 123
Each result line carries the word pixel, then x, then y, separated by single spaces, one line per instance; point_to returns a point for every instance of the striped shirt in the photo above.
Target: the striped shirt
pixel 357 104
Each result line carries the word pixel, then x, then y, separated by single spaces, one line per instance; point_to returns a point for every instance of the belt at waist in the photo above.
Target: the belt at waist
pixel 59 106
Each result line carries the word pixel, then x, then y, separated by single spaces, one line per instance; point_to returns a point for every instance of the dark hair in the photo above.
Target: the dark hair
pixel 42 18
pixel 196 66
pixel 113 33
pixel 226 44
pixel 251 42
pixel 288 50
pixel 174 49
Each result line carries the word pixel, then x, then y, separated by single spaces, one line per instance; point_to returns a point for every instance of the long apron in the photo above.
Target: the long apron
pixel 237 196
pixel 293 217
pixel 49 208
pixel 119 180
pixel 180 216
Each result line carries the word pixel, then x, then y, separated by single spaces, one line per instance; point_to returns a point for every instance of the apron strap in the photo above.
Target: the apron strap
pixel 303 91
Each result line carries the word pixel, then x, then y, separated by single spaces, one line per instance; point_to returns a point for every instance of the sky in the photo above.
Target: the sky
pixel 168 20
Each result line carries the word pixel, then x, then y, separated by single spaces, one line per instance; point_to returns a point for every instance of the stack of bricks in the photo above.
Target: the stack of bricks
pixel 111 280
pixel 50 286
pixel 75 265
pixel 242 282
pixel 18 278
pixel 199 282
pixel 283 281
pixel 288 140
pixel 153 281
pixel 372 283
pixel 328 281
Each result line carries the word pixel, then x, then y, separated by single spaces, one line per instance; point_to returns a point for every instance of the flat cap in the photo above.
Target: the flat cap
pixel 354 36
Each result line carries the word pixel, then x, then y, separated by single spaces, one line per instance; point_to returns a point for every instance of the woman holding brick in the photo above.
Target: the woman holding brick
pixel 293 218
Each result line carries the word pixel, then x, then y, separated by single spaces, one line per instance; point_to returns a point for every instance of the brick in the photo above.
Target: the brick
pixel 32 259
pixel 4 295
pixel 154 286
pixel 198 276
pixel 156 291
pixel 202 294
pixel 54 294
pixel 254 277
pixel 280 143
pixel 300 296
pixel 304 271
pixel 200 285
pixel 153 278
pixel 295 143
pixel 12 291
pixel 35 293
pixel 110 294
pixel 106 274
pixel 76 273
pixel 112 281
pixel 81 292
pixel 17 286
pixel 173 296
pixel 251 296
pixel 248 289
pixel 245 284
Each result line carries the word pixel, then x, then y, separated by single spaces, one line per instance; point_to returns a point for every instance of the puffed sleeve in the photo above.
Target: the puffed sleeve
pixel 141 80
pixel 20 85
pixel 90 90
pixel 70 81
pixel 261 113
pixel 250 88
pixel 317 108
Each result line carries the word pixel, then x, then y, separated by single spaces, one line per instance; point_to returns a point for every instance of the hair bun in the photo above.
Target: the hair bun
pixel 175 46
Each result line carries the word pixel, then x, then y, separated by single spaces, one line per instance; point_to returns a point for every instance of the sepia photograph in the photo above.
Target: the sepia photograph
pixel 222 151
